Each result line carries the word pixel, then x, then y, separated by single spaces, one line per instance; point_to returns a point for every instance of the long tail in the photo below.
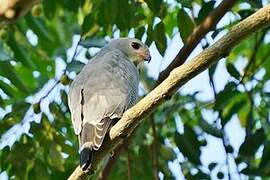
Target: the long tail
pixel 91 139
pixel 86 146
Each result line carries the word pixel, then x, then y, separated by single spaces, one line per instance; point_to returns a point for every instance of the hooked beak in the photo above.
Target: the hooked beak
pixel 147 57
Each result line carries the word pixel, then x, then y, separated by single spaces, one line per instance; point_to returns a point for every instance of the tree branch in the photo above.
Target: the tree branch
pixel 128 164
pixel 219 121
pixel 252 59
pixel 198 33
pixel 177 78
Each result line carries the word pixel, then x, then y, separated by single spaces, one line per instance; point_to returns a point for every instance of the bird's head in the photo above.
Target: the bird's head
pixel 133 48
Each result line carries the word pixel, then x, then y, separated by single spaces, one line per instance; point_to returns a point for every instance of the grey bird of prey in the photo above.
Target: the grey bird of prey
pixel 105 88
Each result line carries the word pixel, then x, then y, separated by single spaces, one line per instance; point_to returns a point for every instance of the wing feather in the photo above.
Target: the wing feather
pixel 108 86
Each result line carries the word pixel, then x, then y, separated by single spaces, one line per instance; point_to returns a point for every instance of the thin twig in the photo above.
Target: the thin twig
pixel 198 33
pixel 154 149
pixel 74 54
pixel 225 140
pixel 76 48
pixel 252 59
pixel 219 123
pixel 128 164
pixel 64 72
pixel 50 90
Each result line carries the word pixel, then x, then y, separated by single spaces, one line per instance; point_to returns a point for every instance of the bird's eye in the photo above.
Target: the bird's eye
pixel 135 45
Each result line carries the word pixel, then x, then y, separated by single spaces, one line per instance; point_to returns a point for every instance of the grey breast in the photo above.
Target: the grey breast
pixel 110 84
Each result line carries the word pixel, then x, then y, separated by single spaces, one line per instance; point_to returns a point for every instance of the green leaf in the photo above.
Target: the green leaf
pixel 88 23
pixel 46 40
pixel 160 38
pixel 233 107
pixel 55 158
pixel 19 151
pixel 64 97
pixel 225 96
pixel 167 153
pixel 245 13
pixel 60 139
pixel 93 42
pixel 131 19
pixel 6 88
pixel 185 24
pixel 208 128
pixel 19 51
pixel 251 144
pixel 75 66
pixel 201 175
pixel 251 171
pixel 170 21
pixel 40 170
pixel 6 70
pixel 163 167
pixel 49 7
pixel 189 145
pixel 264 165
pixel 244 115
pixel 206 8
pixel 185 3
pixel 150 35
pixel 12 118
pixel 71 5
pixel 140 32
pixel 216 32
pixel 26 76
pixel 38 26
pixel 56 111
pixel 144 171
pixel 233 71
pixel 154 6
pixel 212 166
pixel 3 154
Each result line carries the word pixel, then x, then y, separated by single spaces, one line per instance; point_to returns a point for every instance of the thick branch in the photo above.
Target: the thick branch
pixel 177 78
pixel 198 33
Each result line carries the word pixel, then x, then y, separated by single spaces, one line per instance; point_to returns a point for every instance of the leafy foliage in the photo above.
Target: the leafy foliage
pixel 37 63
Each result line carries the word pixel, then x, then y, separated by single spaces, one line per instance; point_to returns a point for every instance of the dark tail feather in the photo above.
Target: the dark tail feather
pixel 86 141
pixel 86 158
pixel 91 139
